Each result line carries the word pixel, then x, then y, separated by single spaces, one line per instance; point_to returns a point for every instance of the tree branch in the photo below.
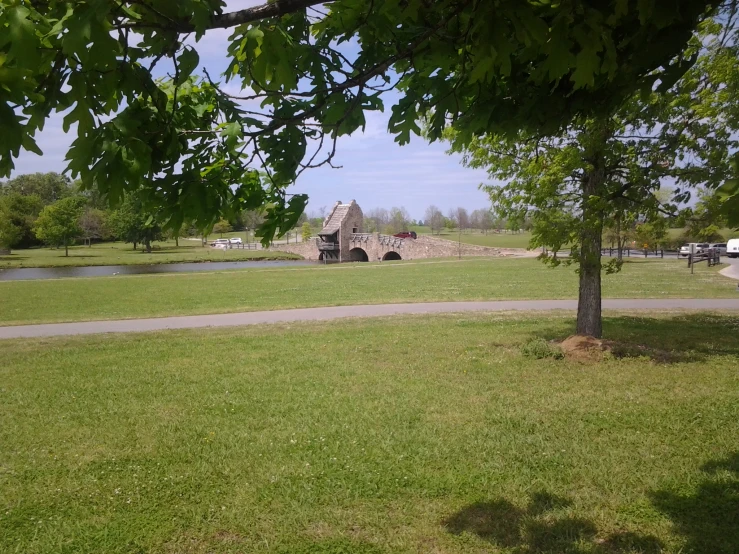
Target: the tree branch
pixel 275 8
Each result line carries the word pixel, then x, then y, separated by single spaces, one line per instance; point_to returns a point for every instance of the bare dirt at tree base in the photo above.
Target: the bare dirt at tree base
pixel 583 348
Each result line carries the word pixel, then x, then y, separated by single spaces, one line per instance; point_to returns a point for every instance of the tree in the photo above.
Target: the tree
pixel 496 67
pixel 399 220
pixel 92 224
pixel 221 227
pixel 9 233
pixel 486 221
pixel 251 219
pixel 683 130
pixel 306 232
pixel 651 234
pixel 376 219
pixel 48 187
pixel 434 219
pixel 131 224
pixel 707 218
pixel 462 218
pixel 58 223
pixel 18 214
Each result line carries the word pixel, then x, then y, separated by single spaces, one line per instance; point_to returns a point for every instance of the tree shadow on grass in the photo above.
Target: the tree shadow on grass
pixel 692 337
pixel 708 517
pixel 540 527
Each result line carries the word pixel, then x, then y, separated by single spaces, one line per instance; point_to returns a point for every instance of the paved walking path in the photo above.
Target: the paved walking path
pixel 328 313
pixel 732 271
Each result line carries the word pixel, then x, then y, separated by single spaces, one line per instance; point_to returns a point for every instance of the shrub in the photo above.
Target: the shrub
pixel 540 349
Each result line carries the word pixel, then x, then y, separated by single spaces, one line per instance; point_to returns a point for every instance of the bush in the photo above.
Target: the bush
pixel 540 349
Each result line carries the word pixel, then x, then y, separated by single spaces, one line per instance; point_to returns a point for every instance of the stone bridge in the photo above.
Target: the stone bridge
pixel 371 247
pixel 341 240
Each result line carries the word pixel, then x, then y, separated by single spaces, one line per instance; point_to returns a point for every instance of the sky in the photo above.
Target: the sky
pixel 375 171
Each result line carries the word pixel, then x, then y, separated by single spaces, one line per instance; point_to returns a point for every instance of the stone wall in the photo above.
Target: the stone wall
pixel 308 250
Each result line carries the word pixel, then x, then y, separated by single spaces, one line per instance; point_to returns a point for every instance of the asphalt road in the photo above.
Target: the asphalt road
pixel 329 313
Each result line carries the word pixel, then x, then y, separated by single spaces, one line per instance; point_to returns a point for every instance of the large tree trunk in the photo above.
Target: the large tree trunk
pixel 591 238
pixel 66 250
pixel 177 241
pixel 147 243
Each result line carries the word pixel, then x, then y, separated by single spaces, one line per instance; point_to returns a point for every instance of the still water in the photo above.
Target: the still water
pixel 19 274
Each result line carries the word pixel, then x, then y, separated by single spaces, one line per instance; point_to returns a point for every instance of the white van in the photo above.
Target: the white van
pixel 732 248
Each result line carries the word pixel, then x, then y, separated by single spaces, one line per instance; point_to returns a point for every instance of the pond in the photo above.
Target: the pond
pixel 24 273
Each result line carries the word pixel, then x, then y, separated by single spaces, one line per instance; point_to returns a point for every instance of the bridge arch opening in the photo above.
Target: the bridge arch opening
pixel 391 256
pixel 358 255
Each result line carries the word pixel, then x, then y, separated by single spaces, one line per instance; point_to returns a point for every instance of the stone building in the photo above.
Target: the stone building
pixel 335 239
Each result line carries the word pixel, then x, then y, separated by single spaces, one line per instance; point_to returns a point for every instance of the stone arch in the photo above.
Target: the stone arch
pixel 391 256
pixel 358 255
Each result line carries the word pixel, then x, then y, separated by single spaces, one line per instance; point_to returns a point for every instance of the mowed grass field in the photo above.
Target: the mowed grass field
pixel 117 297
pixel 497 240
pixel 384 436
pixel 118 253
pixel 508 239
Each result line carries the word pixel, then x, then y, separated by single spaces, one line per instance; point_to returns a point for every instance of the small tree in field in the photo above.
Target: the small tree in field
pixel 434 219
pixel 221 227
pixel 58 224
pixel 92 223
pixel 306 231
pixel 130 223
pixel 650 234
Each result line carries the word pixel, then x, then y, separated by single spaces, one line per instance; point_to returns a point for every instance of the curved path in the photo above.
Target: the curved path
pixel 732 270
pixel 328 313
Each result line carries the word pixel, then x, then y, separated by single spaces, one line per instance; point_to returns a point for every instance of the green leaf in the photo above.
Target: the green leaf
pixel 186 64
pixel 23 40
pixel 587 64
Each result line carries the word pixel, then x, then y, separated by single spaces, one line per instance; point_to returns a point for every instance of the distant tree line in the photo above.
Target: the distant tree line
pixel 49 209
pixel 629 227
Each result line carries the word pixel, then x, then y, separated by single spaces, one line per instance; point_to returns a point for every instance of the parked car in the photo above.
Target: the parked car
pixel 732 248
pixel 220 243
pixel 720 247
pixel 699 248
pixel 406 235
pixel 235 240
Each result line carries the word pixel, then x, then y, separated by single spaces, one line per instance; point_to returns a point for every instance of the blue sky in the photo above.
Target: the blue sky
pixel 375 171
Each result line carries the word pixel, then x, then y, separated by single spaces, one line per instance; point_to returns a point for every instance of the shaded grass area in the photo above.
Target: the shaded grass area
pixel 414 434
pixel 254 289
pixel 118 253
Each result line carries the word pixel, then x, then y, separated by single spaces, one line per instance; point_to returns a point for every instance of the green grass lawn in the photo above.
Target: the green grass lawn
pixel 118 297
pixel 117 253
pixel 399 435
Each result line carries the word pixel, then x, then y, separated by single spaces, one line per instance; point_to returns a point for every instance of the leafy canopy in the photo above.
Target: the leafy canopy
pixel 58 223
pixel 686 136
pixel 308 76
